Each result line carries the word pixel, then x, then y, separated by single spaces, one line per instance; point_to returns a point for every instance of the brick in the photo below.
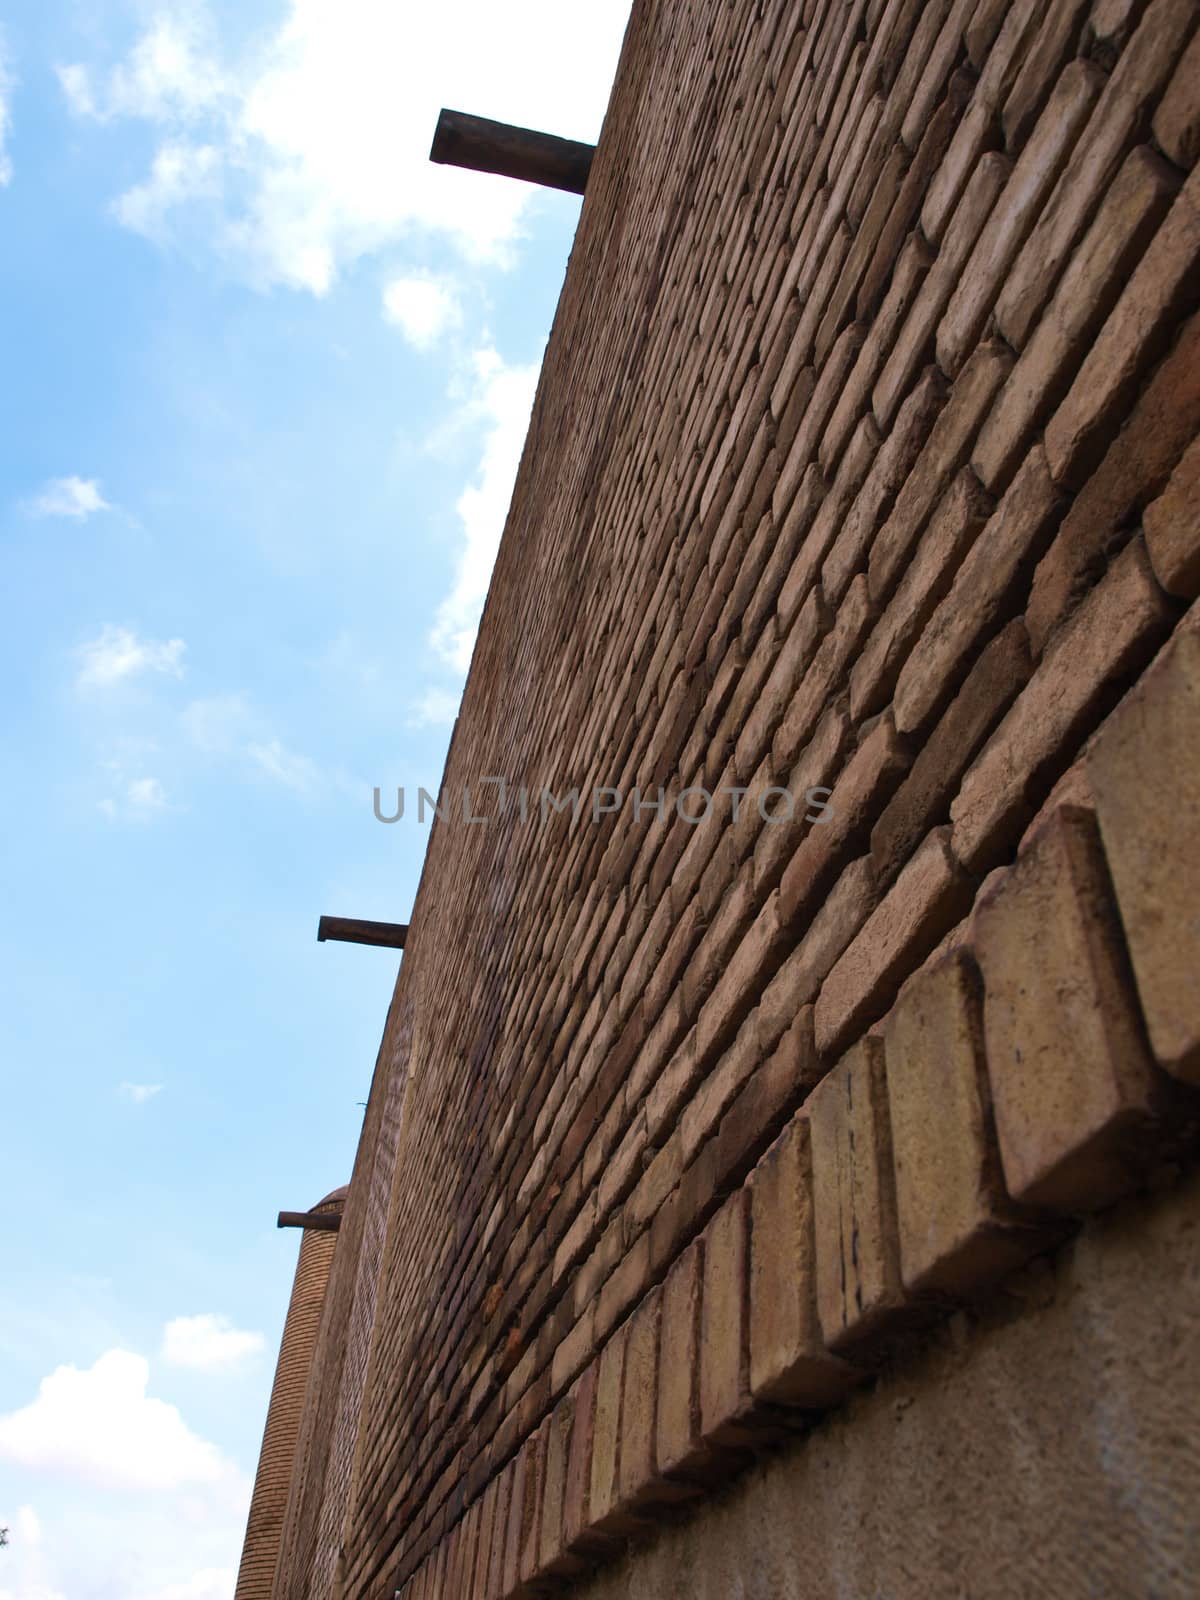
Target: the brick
pixel 1071 1080
pixel 518 1515
pixel 895 459
pixel 765 1102
pixel 825 673
pixel 1177 120
pixel 553 1557
pixel 578 1533
pixel 1111 636
pixel 725 1402
pixel 943 455
pixel 679 1448
pixel 913 342
pixel 859 1293
pixel 1045 56
pixel 923 799
pixel 495 1579
pixel 480 1586
pixel 1015 213
pixel 788 1361
pixel 958 1229
pixel 1115 127
pixel 1143 774
pixel 1172 528
pixel 604 1500
pixel 1162 424
pixel 985 592
pixel 870 776
pixel 811 623
pixel 640 1483
pixel 1163 289
pixel 841 913
pixel 961 513
pixel 825 393
pixel 927 899
pixel 535 1447
pixel 1098 270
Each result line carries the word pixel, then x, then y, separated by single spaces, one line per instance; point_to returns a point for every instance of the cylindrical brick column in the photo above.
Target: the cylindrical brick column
pixel 268 1504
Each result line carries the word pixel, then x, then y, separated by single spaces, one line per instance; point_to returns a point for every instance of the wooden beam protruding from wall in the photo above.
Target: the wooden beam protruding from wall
pixel 350 930
pixel 318 1221
pixel 461 140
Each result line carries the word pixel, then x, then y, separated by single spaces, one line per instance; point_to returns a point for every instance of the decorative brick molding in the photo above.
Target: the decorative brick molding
pixel 863 459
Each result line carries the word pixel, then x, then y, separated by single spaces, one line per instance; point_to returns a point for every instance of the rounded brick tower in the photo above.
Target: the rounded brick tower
pixel 268 1504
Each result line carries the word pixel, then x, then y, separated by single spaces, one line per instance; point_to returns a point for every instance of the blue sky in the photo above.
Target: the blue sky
pixel 269 373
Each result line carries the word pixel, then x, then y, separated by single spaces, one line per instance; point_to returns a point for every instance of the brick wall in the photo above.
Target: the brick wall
pixel 863 462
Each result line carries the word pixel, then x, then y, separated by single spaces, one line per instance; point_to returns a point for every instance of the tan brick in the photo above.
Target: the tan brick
pixel 824 675
pixel 1110 637
pixel 811 623
pixel 495 1578
pixel 579 1535
pixel 923 799
pixel 725 1401
pixel 927 899
pixel 1098 270
pixel 987 589
pixel 641 1485
pixel 1070 1076
pixel 553 1557
pixel 535 1448
pixel 1015 212
pixel 854 1201
pixel 678 1444
pixel 895 459
pixel 480 1589
pixel 961 513
pixel 1162 424
pixel 948 446
pixel 604 1499
pixel 1164 288
pixel 1172 528
pixel 838 917
pixel 1115 126
pixel 788 1359
pixel 1045 56
pixel 1177 120
pixel 869 777
pixel 972 211
pixel 852 469
pixel 958 1229
pixel 825 393
pixel 518 1514
pixel 1143 773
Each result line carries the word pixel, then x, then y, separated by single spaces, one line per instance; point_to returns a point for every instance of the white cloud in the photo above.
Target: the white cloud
pixel 6 88
pixel 118 653
pixel 102 1427
pixel 209 1343
pixel 503 399
pixel 139 1093
pixel 422 308
pixel 74 497
pixel 275 761
pixel 436 708
pixel 310 148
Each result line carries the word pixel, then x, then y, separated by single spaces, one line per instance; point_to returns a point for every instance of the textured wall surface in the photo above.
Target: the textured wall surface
pixel 276 1475
pixel 863 462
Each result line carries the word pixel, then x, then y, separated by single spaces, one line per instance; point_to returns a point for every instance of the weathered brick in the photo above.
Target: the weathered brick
pixel 1172 528
pixel 923 799
pixel 868 779
pixel 553 1557
pixel 788 1361
pixel 1143 774
pixel 824 675
pixel 1177 120
pixel 640 1483
pixel 1114 128
pixel 985 592
pixel 1071 1079
pixel 679 1447
pixel 927 899
pixel 961 513
pixel 913 341
pixel 948 446
pixel 604 1498
pixel 854 1201
pixel 725 1401
pixel 1111 636
pixel 1163 289
pixel 1044 58
pixel 811 623
pixel 958 1229
pixel 1162 424
pixel 1098 270
pixel 578 1533
pixel 1015 212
